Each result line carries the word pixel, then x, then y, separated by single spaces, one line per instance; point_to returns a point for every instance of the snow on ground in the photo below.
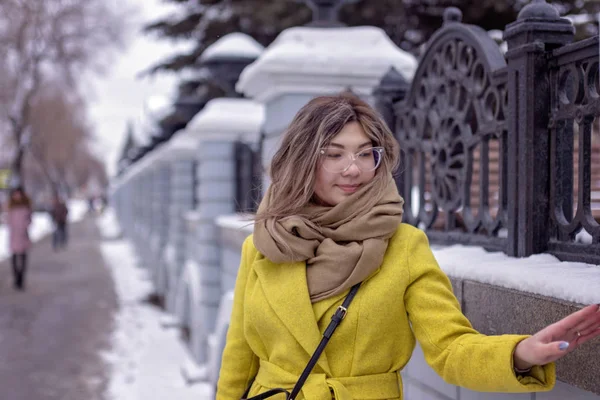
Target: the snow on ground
pixel 41 225
pixel 146 358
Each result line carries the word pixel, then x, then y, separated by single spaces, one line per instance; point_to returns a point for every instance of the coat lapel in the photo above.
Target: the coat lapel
pixel 287 292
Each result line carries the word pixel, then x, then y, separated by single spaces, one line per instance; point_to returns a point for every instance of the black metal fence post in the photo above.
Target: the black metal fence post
pixel 391 89
pixel 257 174
pixel 537 31
pixel 247 178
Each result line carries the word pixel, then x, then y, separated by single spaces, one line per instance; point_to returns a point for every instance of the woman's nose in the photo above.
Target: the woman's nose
pixel 352 170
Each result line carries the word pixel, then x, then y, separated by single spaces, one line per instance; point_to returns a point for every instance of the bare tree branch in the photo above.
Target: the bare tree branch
pixel 44 41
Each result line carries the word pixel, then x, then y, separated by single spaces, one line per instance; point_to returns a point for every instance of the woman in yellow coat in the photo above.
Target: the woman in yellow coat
pixel 330 219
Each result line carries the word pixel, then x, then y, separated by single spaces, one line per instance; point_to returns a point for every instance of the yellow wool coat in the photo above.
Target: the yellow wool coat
pixel 275 329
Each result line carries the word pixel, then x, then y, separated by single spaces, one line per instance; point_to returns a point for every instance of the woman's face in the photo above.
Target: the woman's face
pixel 333 187
pixel 17 195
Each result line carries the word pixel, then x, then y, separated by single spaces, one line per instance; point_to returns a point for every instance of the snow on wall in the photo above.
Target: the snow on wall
pixel 541 274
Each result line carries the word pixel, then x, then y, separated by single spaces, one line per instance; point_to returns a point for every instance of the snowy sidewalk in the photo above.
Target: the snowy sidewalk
pixel 83 329
pixel 146 358
pixel 51 334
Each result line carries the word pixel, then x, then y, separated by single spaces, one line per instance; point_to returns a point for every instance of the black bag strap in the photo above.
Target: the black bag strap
pixel 336 318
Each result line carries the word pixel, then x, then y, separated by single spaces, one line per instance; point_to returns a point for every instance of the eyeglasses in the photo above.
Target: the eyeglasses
pixel 339 160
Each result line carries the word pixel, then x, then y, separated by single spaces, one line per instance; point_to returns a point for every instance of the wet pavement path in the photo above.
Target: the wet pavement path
pixel 52 334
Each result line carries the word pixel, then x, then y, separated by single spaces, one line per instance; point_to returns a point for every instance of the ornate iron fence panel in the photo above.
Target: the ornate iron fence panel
pixel 575 151
pixel 452 129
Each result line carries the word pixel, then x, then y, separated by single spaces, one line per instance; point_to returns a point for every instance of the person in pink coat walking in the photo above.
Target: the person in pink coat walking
pixel 18 221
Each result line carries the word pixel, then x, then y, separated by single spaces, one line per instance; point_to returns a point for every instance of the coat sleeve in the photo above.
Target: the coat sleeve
pixel 458 353
pixel 239 364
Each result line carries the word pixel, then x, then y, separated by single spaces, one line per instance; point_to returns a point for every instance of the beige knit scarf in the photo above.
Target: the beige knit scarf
pixel 342 245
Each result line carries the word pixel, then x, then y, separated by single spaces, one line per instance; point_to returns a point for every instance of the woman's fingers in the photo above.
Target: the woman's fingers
pixel 588 325
pixel 588 336
pixel 562 337
pixel 589 329
pixel 580 320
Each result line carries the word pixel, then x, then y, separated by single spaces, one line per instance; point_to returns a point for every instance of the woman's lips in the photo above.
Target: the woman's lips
pixel 349 188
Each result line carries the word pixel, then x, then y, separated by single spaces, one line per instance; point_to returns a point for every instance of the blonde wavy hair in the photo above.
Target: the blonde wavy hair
pixel 294 165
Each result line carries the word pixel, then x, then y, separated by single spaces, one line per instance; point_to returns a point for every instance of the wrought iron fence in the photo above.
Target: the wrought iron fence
pixel 502 150
pixel 575 150
pixel 452 131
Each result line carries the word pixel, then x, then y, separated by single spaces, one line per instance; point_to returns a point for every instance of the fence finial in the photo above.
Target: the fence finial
pixel 539 9
pixel 452 14
pixel 325 12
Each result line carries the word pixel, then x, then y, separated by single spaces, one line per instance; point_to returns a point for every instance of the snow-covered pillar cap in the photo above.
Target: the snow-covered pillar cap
pixel 227 57
pixel 315 61
pixel 234 45
pixel 228 119
pixel 181 146
pixel 149 161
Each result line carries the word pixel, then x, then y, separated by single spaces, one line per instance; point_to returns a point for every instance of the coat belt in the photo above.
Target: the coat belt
pixel 319 386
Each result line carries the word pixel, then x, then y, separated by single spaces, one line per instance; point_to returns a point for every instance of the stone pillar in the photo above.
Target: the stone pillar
pixel 305 62
pixel 123 218
pixel 130 209
pixel 137 212
pixel 149 251
pixel 215 197
pixel 218 127
pixel 227 57
pixel 186 293
pixel 145 205
pixel 161 209
pixel 140 206
pixel 173 197
pixel 537 31
pixel 152 226
pixel 120 193
pixel 182 200
pixel 149 175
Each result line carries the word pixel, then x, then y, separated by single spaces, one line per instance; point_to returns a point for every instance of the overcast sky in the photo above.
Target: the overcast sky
pixel 119 95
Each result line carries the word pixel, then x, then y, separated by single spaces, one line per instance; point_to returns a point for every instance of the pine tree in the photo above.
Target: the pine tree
pixel 206 21
pixel 408 22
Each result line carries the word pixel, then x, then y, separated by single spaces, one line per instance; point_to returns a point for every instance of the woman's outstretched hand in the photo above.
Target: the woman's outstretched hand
pixel 559 339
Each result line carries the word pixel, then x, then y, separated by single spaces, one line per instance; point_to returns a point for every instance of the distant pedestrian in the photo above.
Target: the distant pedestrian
pixel 18 221
pixel 60 212
pixel 91 207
